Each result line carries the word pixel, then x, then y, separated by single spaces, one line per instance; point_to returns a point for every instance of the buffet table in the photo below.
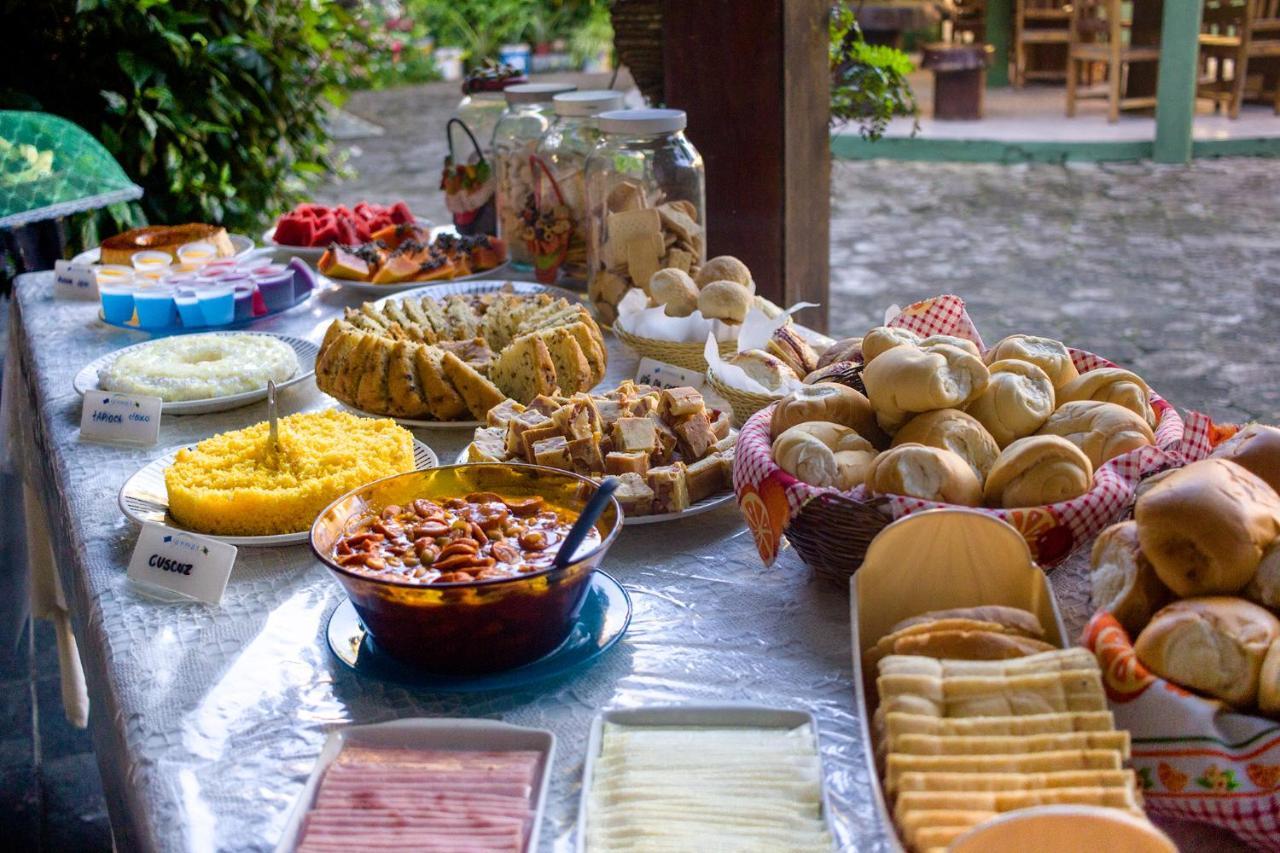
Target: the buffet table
pixel 207 720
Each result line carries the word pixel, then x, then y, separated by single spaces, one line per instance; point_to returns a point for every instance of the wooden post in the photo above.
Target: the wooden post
pixel 754 77
pixel 999 18
pixel 1176 84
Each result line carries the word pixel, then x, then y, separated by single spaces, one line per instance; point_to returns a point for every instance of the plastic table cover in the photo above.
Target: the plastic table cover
pixel 207 720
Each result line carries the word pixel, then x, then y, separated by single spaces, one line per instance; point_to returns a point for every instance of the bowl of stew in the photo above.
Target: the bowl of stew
pixel 450 569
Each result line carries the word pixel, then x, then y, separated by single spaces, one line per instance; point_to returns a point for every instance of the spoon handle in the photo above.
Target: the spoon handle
pixel 273 417
pixel 590 513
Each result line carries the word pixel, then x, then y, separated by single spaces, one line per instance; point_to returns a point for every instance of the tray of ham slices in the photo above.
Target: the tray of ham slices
pixel 428 785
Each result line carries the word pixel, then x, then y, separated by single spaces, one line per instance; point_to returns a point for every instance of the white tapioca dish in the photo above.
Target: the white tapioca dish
pixel 200 367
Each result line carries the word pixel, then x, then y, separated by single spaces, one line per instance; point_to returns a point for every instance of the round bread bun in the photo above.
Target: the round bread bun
pixel 1017 401
pixel 1122 579
pixel 675 291
pixel 881 339
pixel 1111 385
pixel 724 300
pixel 824 454
pixel 1215 645
pixel 1102 430
pixel 1256 447
pixel 1038 470
pixel 725 268
pixel 907 380
pixel 1264 588
pixel 827 401
pixel 951 340
pixel 1204 527
pixel 927 473
pixel 1269 682
pixel 952 429
pixel 843 350
pixel 766 369
pixel 1049 355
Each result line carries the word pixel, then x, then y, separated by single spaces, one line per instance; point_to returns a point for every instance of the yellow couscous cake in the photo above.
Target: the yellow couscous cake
pixel 234 485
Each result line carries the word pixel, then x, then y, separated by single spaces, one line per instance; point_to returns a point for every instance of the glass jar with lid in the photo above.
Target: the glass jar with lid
pixel 646 202
pixel 528 115
pixel 482 101
pixel 559 232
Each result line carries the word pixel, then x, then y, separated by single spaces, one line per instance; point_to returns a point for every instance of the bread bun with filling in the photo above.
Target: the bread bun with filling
pixel 1038 470
pixel 848 349
pixel 927 473
pixel 1215 645
pixel 907 380
pixel 827 401
pixel 1122 579
pixel 1049 355
pixel 1111 385
pixel 1257 448
pixel 766 369
pixel 1205 527
pixel 788 345
pixel 1017 401
pixel 1102 430
pixel 824 454
pixel 881 339
pixel 952 429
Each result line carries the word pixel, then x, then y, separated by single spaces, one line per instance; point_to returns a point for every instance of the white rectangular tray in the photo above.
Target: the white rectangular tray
pixel 726 715
pixel 452 734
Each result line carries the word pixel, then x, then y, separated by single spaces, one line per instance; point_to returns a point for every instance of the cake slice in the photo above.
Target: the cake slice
pixel 488 445
pixel 405 396
pixel 463 323
pixel 524 369
pixel 573 372
pixel 592 343
pixel 348 379
pixel 371 392
pixel 413 309
pixel 445 403
pixel 334 356
pixel 480 394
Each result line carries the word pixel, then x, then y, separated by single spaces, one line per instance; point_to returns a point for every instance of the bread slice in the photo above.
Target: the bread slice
pixel 1035 724
pixel 573 372
pixel 362 356
pixel 969 645
pixel 525 369
pixel 335 353
pixel 1058 660
pixel 371 392
pixel 1038 762
pixel 443 400
pixel 479 393
pixel 1013 618
pixel 987 696
pixel 404 391
pixel 1008 744
pixel 923 781
pixel 1007 801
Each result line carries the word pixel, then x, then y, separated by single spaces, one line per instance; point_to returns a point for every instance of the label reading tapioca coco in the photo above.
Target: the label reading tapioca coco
pixel 174 561
pixel 112 418
pixel 74 281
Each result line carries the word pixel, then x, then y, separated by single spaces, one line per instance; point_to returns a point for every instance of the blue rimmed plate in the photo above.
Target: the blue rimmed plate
pixel 605 615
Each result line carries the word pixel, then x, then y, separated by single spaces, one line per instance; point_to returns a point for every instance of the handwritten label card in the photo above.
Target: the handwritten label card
pixel 72 281
pixel 191 566
pixel 659 374
pixel 109 417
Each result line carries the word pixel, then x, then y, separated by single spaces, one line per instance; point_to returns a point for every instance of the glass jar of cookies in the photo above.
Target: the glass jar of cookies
pixel 558 235
pixel 528 114
pixel 646 204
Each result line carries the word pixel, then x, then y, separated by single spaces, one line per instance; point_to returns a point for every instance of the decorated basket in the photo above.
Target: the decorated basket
pixel 687 355
pixel 831 529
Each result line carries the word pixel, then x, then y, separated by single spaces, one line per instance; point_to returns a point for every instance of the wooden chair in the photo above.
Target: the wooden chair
pixel 968 21
pixel 1237 31
pixel 1098 39
pixel 1040 29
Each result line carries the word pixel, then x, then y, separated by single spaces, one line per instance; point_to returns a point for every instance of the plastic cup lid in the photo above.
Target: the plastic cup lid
pixel 643 122
pixel 587 103
pixel 535 93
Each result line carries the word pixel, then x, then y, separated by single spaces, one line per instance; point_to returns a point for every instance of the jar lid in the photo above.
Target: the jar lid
pixel 587 103
pixel 535 93
pixel 643 122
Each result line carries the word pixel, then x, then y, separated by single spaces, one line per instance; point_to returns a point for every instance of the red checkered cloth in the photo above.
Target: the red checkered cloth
pixel 770 497
pixel 1196 758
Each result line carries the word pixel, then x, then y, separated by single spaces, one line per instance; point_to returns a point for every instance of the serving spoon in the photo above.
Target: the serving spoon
pixel 587 520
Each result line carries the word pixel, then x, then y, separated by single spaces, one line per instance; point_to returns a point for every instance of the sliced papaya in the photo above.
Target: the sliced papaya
pixel 397 268
pixel 339 263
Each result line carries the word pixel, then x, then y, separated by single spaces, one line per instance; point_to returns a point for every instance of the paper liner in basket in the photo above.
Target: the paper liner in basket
pixel 770 497
pixel 1196 758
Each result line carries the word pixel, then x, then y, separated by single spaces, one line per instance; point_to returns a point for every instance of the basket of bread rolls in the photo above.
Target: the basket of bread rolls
pixel 918 414
pixel 670 318
pixel 754 377
pixel 1187 594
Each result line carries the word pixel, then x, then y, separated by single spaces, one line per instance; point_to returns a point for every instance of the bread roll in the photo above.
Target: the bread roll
pixel 1205 526
pixel 824 454
pixel 1264 588
pixel 1038 470
pixel 842 350
pixel 1269 682
pixel 675 291
pixel 1049 355
pixel 1257 448
pixel 927 473
pixel 725 268
pixel 1215 645
pixel 951 340
pixel 907 380
pixel 794 351
pixel 881 339
pixel 1102 430
pixel 1122 579
pixel 1111 385
pixel 1017 401
pixel 766 369
pixel 827 401
pixel 952 429
pixel 1012 619
pixel 724 300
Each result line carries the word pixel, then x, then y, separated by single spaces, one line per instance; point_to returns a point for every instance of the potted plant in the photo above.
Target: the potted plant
pixel 868 82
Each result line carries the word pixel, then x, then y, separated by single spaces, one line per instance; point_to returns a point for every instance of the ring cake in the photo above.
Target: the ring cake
pixel 164 238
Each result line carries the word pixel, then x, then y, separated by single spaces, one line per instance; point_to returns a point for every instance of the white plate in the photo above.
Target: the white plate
pixel 368 287
pixel 310 253
pixel 720 715
pixel 145 500
pixel 243 245
pixel 87 379
pixel 704 505
pixel 475 287
pixel 482 735
pixel 416 424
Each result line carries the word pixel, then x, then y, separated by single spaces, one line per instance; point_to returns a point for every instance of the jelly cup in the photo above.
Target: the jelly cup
pixel 151 276
pixel 235 277
pixel 217 304
pixel 117 301
pixel 276 289
pixel 221 264
pixel 113 274
pixel 264 269
pixel 155 306
pixel 188 304
pixel 304 279
pixel 197 253
pixel 243 294
pixel 177 278
pixel 150 260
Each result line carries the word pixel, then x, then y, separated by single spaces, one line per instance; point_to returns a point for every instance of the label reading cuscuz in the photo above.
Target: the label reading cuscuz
pixel 112 418
pixel 191 566
pixel 73 281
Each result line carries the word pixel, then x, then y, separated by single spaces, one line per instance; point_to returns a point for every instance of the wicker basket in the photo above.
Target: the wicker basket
pixel 687 355
pixel 832 533
pixel 744 403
